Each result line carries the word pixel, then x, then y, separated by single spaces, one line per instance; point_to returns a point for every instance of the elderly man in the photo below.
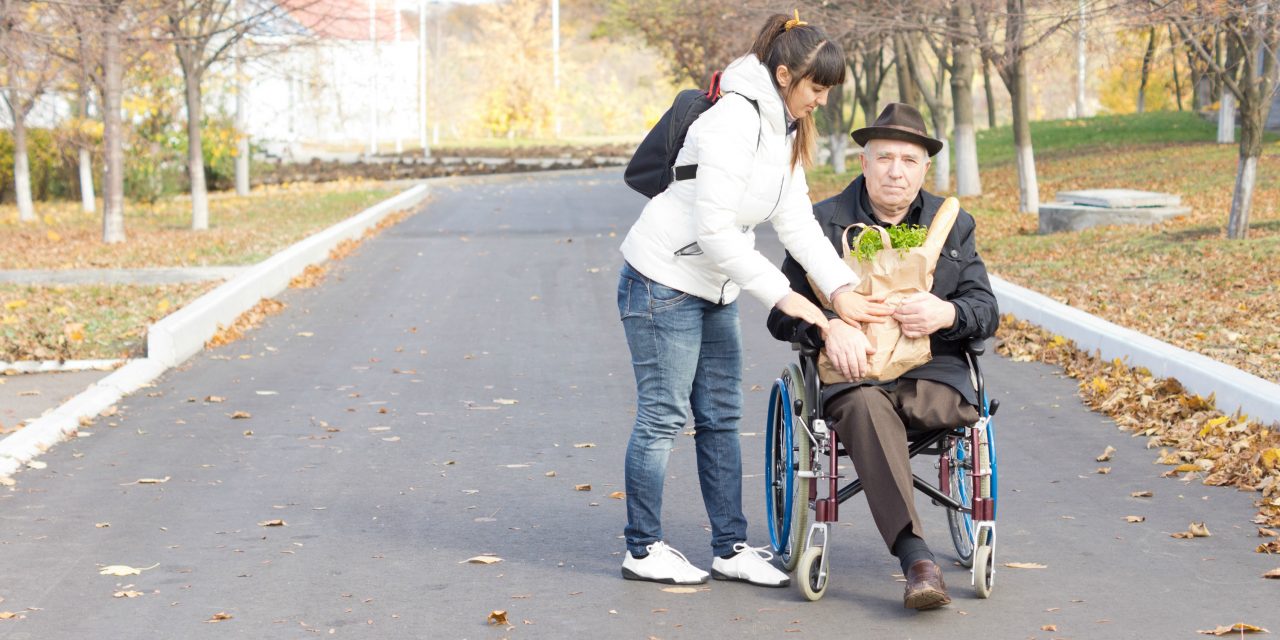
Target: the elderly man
pixel 873 419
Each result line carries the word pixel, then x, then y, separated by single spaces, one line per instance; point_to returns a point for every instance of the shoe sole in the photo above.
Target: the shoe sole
pixel 925 600
pixel 724 576
pixel 631 575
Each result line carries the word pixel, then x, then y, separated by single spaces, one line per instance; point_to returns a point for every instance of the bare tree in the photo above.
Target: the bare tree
pixel 1249 73
pixel 932 89
pixel 1148 57
pixel 203 33
pixel 29 71
pixel 696 37
pixel 1009 57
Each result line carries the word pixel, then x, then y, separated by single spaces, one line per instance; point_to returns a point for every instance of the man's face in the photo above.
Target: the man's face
pixel 894 171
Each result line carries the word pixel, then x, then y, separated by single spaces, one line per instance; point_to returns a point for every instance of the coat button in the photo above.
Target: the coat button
pixel 955 254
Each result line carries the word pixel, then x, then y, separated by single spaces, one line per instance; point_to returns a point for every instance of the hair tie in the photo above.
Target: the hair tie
pixel 794 22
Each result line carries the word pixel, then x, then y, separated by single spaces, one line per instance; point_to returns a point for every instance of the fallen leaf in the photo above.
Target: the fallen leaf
pixel 36 464
pixel 152 480
pixel 498 617
pixel 7 615
pixel 618 495
pixel 241 415
pixel 304 334
pixel 581 487
pixel 1135 518
pixel 550 474
pixel 1103 470
pixel 392 439
pixel 219 617
pixel 126 594
pixel 1239 627
pixel 1025 565
pixel 1049 627
pixel 584 445
pixel 1106 454
pixel 1195 530
pixel 215 399
pixel 482 559
pixel 1141 494
pixel 1273 574
pixel 6 481
pixel 507 401
pixel 680 590
pixel 102 525
pixel 124 570
pixel 1267 533
pixel 272 523
pixel 109 411
pixel 1269 547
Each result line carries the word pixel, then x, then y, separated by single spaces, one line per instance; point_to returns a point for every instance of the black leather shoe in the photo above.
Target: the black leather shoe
pixel 925 588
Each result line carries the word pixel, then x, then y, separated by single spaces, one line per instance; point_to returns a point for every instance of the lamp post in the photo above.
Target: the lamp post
pixel 373 97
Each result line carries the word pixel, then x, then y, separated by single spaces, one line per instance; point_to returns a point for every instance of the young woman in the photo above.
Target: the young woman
pixel 687 258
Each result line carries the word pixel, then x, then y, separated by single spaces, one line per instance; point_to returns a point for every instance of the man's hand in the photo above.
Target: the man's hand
pixel 855 308
pixel 922 314
pixel 848 349
pixel 798 306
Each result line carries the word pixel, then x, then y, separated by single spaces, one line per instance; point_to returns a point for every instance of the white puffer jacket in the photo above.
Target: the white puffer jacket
pixel 698 235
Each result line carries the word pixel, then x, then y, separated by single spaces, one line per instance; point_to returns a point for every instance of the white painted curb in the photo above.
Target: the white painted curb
pixel 63 366
pixel 183 333
pixel 1233 389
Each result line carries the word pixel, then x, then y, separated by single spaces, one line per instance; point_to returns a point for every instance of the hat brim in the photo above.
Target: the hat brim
pixel 931 145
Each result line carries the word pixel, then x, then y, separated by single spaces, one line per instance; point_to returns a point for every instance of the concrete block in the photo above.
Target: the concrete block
pixel 1066 216
pixel 1119 198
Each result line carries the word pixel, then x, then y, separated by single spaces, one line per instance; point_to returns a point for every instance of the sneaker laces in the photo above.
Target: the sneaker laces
pixel 662 547
pixel 759 552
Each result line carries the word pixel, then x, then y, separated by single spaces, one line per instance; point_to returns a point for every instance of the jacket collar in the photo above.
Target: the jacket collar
pixel 749 77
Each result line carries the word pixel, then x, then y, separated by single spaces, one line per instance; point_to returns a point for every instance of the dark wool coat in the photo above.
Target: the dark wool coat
pixel 961 279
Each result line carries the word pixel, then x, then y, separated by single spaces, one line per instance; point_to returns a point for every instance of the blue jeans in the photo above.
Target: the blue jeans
pixel 687 353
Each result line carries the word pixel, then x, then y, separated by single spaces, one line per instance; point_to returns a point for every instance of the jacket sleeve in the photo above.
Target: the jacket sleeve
pixel 789 329
pixel 726 143
pixel 977 315
pixel 801 234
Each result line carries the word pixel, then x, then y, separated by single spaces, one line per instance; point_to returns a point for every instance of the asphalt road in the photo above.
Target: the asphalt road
pixel 443 394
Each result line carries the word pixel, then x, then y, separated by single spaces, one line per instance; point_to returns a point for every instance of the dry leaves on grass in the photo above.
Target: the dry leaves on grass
pixel 1195 437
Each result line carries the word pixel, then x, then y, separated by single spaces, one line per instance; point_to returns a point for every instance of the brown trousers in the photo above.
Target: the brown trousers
pixel 872 423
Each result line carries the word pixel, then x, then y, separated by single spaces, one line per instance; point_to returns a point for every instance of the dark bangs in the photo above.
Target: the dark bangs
pixel 827 66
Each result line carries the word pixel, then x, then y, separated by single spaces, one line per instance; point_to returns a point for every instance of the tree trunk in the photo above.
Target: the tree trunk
pixel 195 149
pixel 242 134
pixel 21 164
pixel 968 180
pixel 1252 118
pixel 839 134
pixel 1173 60
pixel 1146 70
pixel 991 94
pixel 86 163
pixel 942 161
pixel 902 62
pixel 113 89
pixel 1028 189
pixel 1081 66
pixel 1227 117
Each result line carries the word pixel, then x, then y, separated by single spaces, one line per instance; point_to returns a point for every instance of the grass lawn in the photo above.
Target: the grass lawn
pixel 1182 281
pixel 100 321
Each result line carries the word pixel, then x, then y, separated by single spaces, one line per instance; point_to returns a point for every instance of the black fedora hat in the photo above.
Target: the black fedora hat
pixel 899 121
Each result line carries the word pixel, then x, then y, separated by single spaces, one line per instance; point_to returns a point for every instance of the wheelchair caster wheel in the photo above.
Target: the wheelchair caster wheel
pixel 813 578
pixel 984 570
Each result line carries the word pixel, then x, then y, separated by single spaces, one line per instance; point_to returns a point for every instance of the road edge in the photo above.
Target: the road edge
pixel 183 333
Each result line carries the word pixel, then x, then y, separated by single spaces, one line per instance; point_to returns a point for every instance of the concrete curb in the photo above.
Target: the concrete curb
pixel 61 366
pixel 1233 389
pixel 183 333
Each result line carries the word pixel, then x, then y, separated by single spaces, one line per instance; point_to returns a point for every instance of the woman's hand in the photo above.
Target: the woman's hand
pixel 848 349
pixel 797 306
pixel 855 308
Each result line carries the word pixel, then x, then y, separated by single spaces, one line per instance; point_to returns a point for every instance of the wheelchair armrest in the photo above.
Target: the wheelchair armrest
pixel 805 350
pixel 976 346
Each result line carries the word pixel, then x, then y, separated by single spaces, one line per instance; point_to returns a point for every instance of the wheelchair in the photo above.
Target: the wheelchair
pixel 802 479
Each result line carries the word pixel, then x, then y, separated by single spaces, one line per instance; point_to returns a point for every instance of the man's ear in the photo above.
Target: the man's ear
pixel 783 76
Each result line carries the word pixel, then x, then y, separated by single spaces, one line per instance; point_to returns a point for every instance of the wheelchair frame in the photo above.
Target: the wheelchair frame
pixel 798 440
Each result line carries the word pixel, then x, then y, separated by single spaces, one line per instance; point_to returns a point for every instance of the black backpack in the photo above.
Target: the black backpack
pixel 651 168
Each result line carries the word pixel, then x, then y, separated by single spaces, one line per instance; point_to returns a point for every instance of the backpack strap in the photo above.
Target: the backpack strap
pixel 690 171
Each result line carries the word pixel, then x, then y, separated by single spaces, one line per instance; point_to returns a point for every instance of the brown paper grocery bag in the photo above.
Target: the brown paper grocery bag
pixel 894 274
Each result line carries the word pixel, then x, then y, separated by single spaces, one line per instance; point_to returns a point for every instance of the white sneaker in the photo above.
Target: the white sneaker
pixel 663 564
pixel 751 564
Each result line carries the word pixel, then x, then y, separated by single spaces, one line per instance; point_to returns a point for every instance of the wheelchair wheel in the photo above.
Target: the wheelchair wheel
pixel 961 489
pixel 813 578
pixel 803 456
pixel 779 469
pixel 984 570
